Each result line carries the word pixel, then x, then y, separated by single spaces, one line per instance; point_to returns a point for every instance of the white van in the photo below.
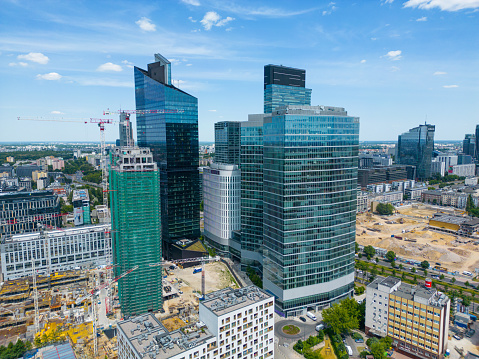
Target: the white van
pixel 311 316
pixel 319 327
pixel 467 273
pixel 350 351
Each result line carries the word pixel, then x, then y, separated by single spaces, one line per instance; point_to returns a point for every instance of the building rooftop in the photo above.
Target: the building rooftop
pixel 451 219
pixel 227 300
pixel 59 233
pixel 388 282
pixel 149 336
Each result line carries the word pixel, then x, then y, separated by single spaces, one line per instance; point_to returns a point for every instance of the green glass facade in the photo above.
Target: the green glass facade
pixel 136 229
pixel 280 95
pixel 310 183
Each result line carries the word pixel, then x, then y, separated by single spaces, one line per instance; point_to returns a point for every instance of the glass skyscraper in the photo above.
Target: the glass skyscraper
pixel 227 142
pixel 172 137
pixel 284 86
pixel 415 148
pixel 310 183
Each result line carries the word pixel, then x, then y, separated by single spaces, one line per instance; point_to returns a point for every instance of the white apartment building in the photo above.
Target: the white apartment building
pixel 362 198
pixel 222 204
pixel 448 159
pixel 234 324
pixel 438 167
pixel 463 170
pixel 55 251
pixel 242 321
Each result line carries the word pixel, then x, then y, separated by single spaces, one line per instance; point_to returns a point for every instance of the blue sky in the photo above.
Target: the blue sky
pixel 393 63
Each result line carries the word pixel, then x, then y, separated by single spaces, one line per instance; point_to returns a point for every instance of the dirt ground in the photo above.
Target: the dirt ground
pixel 451 251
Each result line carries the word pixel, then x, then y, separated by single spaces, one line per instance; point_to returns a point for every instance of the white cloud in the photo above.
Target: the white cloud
pixel 229 29
pixel 445 5
pixel 437 73
pixel 103 82
pixel 450 86
pixel 424 18
pixel 192 20
pixel 191 2
pixel 109 66
pixel 388 1
pixel 212 18
pixel 363 61
pixel 22 64
pixel 52 76
pixel 37 57
pixel 57 113
pixel 127 63
pixel 189 64
pixel 394 55
pixel 145 24
pixel 212 110
pixel 331 9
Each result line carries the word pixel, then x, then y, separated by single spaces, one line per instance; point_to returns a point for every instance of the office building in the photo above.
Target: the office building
pixel 136 228
pixel 384 174
pixel 126 131
pixel 228 142
pixel 21 212
pixel 310 171
pixel 284 86
pixel 55 251
pixel 469 145
pixel 81 207
pixel 438 167
pixel 232 324
pixel 415 317
pixel 477 140
pixel 172 137
pixel 26 170
pixel 222 211
pixel 415 148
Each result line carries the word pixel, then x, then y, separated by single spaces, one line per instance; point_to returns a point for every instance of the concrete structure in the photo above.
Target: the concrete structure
pixel 81 207
pixel 448 159
pixel 470 181
pixel 463 170
pixel 126 131
pixel 414 193
pixel 39 174
pixel 362 201
pixel 415 317
pixel 222 200
pixel 55 251
pixel 58 164
pixel 438 167
pixel 392 197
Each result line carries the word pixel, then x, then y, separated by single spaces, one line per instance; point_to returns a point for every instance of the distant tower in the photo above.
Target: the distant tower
pixel 126 131
pixel 136 229
pixel 228 142
pixel 415 148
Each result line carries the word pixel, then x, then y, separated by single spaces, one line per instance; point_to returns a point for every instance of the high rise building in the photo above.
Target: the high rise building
pixel 126 131
pixel 477 140
pixel 310 173
pixel 136 228
pixel 172 137
pixel 284 86
pixel 415 148
pixel 469 145
pixel 228 142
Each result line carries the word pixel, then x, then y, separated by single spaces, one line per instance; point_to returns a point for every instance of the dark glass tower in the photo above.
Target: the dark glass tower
pixel 310 181
pixel 284 86
pixel 469 145
pixel 227 142
pixel 173 139
pixel 415 148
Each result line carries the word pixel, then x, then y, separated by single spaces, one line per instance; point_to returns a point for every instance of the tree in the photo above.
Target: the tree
pixel 385 208
pixel 470 205
pixel 441 277
pixel 369 251
pixel 425 272
pixel 393 264
pixel 342 317
pixel 425 264
pixel 413 270
pixel 390 256
pixel 415 279
pixel 356 247
pixel 377 259
pixel 466 301
pixel 453 280
pixel 403 275
pixel 401 266
pixel 394 272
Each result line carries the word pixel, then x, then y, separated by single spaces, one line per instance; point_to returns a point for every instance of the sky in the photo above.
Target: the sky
pixel 393 63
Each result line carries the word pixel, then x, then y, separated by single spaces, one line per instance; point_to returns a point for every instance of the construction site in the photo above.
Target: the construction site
pixel 46 310
pixel 408 233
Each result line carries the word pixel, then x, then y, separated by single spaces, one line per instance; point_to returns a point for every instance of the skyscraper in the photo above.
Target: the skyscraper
pixel 310 184
pixel 172 137
pixel 136 228
pixel 469 145
pixel 228 142
pixel 284 86
pixel 415 148
pixel 126 131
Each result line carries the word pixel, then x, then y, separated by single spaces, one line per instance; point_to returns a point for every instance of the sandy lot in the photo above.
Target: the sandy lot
pixel 449 250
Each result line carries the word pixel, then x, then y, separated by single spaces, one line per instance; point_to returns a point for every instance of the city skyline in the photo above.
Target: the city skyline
pixel 411 61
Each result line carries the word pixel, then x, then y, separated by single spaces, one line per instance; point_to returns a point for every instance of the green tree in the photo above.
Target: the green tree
pixel 393 264
pixel 470 205
pixel 369 251
pixel 425 264
pixel 466 301
pixel 401 266
pixel 356 247
pixel 453 280
pixel 390 256
pixel 441 277
pixel 339 319
pixel 385 208
pixel 413 270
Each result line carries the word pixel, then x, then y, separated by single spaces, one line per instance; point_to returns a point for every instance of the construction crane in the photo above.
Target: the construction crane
pixel 203 260
pixel 92 295
pixel 140 112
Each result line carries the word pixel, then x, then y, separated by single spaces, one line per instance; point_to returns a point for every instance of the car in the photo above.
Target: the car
pixel 470 333
pixel 172 267
pixel 303 319
pixel 457 337
pixel 359 340
pixel 359 301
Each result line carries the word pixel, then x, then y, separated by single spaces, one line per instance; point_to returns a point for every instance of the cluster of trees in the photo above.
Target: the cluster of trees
pixel 255 278
pixel 437 179
pixel 359 290
pixel 339 347
pixel 345 316
pixel 369 252
pixel 33 155
pixel 305 347
pixel 471 209
pixel 52 338
pixel 14 351
pixel 377 347
pixel 385 208
pixel 80 164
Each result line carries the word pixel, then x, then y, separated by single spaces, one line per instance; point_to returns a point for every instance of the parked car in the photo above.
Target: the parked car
pixel 303 319
pixel 359 340
pixel 457 337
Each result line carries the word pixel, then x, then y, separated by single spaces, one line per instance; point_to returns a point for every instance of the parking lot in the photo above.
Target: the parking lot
pixel 468 344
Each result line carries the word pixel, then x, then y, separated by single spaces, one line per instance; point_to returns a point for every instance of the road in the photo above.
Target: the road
pixel 103 320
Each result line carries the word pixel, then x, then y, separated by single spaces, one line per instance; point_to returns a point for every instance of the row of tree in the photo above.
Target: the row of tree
pixel 14 351
pixel 33 155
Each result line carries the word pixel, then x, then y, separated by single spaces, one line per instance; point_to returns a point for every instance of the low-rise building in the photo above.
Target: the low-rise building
pixel 470 181
pixel 431 196
pixel 362 199
pixel 415 317
pixel 463 170
pixel 414 193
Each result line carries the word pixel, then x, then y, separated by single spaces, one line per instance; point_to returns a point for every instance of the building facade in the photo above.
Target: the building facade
pixel 136 228
pixel 55 251
pixel 463 170
pixel 469 145
pixel 284 86
pixel 126 131
pixel 169 127
pixel 222 210
pixel 415 317
pixel 81 207
pixel 310 156
pixel 228 142
pixel 21 212
pixel 415 148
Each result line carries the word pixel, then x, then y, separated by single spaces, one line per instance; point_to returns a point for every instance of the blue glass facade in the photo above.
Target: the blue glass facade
pixel 310 183
pixel 281 95
pixel 415 148
pixel 173 140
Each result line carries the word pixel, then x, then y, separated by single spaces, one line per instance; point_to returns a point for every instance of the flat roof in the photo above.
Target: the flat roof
pixel 450 219
pixel 228 300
